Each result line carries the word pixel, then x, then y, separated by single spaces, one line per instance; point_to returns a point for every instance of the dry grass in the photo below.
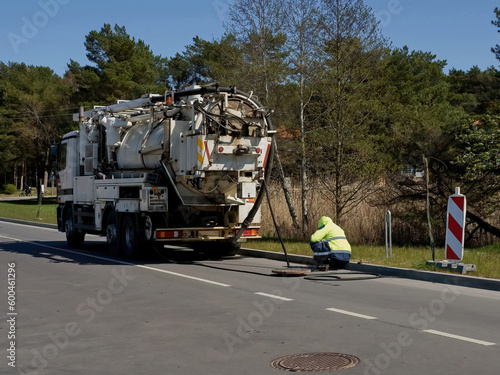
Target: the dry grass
pixel 364 224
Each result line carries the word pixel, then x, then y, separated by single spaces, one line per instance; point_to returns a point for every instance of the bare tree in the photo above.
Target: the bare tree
pixel 259 28
pixel 303 23
pixel 346 101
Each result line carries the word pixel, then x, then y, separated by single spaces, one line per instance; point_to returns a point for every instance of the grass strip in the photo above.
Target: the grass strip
pixel 27 209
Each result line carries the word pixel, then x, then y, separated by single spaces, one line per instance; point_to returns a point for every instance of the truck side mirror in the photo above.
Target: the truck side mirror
pixel 54 152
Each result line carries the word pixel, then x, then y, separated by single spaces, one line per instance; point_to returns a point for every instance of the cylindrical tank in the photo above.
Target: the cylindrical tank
pixel 132 155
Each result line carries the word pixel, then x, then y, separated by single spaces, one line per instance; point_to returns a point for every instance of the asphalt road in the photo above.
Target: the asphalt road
pixel 84 312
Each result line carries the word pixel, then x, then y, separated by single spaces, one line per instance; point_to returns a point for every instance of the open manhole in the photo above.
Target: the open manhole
pixel 312 362
pixel 292 271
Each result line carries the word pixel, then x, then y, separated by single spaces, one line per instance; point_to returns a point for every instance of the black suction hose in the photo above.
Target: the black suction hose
pixel 276 225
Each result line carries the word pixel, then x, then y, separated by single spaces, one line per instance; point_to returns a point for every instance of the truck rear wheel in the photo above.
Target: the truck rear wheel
pixel 130 236
pixel 74 238
pixel 149 225
pixel 228 248
pixel 112 234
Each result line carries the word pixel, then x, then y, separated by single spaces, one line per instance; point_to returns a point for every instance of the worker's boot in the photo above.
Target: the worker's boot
pixel 323 267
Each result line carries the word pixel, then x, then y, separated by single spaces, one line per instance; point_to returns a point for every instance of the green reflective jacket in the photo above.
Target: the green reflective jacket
pixel 331 232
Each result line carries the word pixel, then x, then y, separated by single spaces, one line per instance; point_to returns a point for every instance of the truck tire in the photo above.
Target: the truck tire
pixel 74 238
pixel 129 236
pixel 227 249
pixel 113 233
pixel 149 225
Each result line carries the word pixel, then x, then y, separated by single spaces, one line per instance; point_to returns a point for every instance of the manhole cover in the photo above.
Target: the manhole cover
pixel 311 362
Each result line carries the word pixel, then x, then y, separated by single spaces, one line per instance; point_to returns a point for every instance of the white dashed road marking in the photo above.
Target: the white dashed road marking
pixel 274 296
pixel 452 336
pixel 351 313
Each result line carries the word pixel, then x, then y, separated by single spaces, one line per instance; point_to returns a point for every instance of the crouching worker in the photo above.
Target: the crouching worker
pixel 330 245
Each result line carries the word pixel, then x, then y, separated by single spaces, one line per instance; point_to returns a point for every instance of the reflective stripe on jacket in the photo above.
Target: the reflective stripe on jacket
pixel 333 235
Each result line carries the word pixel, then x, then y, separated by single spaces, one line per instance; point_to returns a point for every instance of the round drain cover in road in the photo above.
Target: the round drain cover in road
pixel 312 362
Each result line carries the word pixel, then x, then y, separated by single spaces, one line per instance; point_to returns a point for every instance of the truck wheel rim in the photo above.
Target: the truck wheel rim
pixel 148 228
pixel 69 226
pixel 129 235
pixel 111 234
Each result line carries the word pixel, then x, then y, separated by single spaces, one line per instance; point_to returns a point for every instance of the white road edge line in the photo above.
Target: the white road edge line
pixel 34 225
pixel 274 296
pixel 351 313
pixel 122 262
pixel 28 225
pixel 452 336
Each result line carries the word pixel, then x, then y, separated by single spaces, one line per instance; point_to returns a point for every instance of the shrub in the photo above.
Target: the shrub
pixel 8 189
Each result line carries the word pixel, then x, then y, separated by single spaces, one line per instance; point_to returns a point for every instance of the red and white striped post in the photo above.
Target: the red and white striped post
pixel 455 227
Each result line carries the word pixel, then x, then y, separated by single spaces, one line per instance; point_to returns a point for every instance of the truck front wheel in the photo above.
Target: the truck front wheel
pixel 74 238
pixel 130 236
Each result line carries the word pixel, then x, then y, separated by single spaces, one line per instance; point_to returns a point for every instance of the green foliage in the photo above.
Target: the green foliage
pixel 419 120
pixel 8 189
pixel 479 145
pixel 476 162
pixel 478 92
pixel 124 68
pixel 496 22
pixel 203 62
pixel 33 113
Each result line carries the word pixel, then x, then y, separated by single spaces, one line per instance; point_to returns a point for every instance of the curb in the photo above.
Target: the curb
pixel 32 223
pixel 404 273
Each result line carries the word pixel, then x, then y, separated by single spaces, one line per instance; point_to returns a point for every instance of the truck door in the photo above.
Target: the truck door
pixel 67 167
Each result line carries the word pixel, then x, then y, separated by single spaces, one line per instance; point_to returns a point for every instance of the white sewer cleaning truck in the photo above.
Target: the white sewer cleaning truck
pixel 184 168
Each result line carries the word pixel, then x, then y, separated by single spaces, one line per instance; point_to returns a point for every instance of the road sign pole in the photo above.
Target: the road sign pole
pixel 388 235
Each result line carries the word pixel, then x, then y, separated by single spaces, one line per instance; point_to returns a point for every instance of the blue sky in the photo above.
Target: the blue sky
pixel 51 32
pixel 459 31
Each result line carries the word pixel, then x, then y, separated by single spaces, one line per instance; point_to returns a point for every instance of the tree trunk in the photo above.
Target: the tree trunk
pixel 15 176
pixel 303 164
pixel 483 224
